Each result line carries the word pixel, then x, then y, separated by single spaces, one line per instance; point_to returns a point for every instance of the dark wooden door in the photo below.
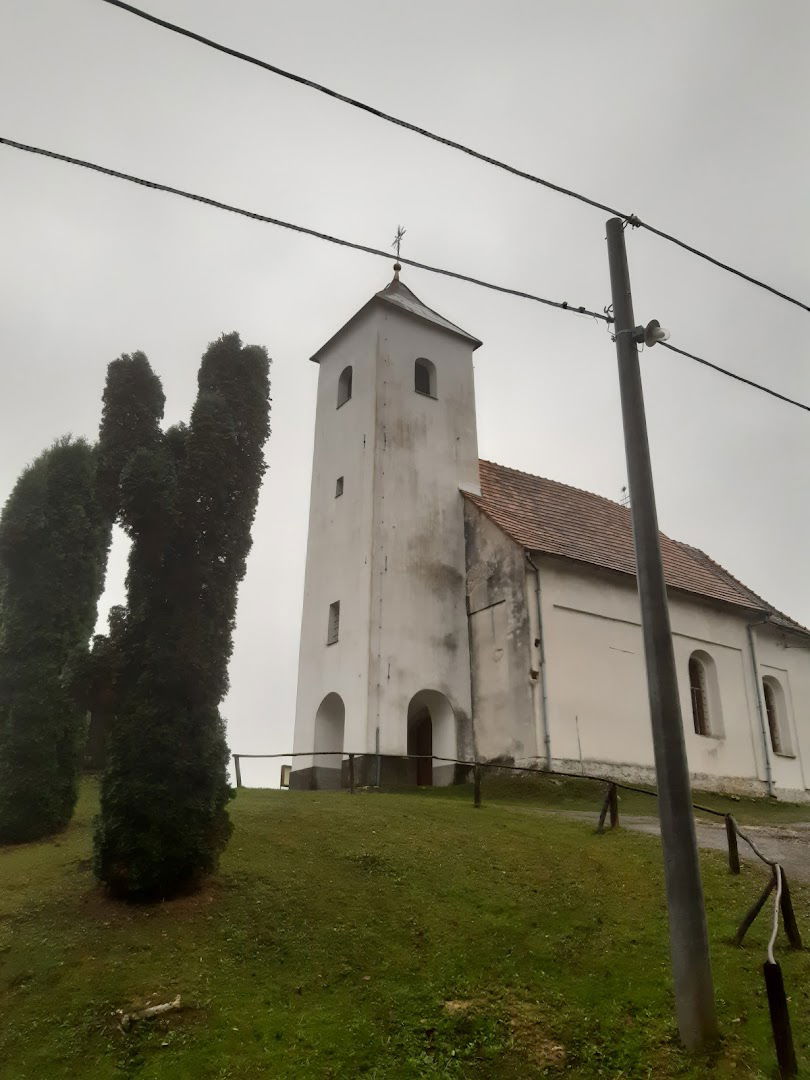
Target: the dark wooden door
pixel 423 740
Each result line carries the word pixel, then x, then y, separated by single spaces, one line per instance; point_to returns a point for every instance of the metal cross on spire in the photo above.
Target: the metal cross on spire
pixel 396 244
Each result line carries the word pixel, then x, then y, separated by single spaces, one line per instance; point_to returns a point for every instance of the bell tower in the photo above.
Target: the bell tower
pixel 384 665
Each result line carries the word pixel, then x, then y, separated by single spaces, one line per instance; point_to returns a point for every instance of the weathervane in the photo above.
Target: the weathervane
pixel 396 244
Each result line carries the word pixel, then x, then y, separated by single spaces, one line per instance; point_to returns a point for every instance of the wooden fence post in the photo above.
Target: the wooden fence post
pixel 733 850
pixel 351 774
pixel 237 770
pixel 600 828
pixel 613 796
pixel 754 911
pixel 789 916
pixel 477 785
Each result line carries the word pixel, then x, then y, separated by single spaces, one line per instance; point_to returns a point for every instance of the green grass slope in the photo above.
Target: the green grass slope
pixel 378 935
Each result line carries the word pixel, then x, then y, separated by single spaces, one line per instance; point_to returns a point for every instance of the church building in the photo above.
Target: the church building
pixel 459 609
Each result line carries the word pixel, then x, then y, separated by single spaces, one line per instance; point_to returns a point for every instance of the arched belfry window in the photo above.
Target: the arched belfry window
pixel 424 377
pixel 776 710
pixel 344 386
pixel 704 695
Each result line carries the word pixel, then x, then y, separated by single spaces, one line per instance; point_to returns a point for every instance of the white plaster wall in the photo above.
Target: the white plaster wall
pixel 391 548
pixel 506 700
pixel 597 693
pixel 787 658
pixel 338 565
pixel 425 449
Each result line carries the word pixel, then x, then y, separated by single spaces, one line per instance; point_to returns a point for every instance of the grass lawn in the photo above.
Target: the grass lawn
pixel 380 935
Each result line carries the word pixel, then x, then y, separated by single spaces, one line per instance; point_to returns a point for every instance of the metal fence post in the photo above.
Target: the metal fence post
pixel 477 785
pixel 237 770
pixel 351 774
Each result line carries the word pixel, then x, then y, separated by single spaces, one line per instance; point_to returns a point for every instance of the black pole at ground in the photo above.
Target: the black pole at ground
pixel 780 1019
pixel 237 770
pixel 351 774
pixel 689 940
pixel 477 785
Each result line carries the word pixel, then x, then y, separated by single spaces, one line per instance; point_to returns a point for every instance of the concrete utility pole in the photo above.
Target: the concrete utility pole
pixel 689 943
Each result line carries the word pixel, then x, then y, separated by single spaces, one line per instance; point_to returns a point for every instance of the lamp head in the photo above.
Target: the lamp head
pixel 650 334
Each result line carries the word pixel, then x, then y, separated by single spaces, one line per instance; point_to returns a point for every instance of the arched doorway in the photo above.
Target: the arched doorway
pixel 431 736
pixel 330 721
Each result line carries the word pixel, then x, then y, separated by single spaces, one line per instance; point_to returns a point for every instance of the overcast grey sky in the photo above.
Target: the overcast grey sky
pixel 692 115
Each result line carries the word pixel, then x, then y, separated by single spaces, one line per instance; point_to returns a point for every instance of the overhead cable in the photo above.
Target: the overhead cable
pixel 631 219
pixel 734 375
pixel 206 201
pixel 562 305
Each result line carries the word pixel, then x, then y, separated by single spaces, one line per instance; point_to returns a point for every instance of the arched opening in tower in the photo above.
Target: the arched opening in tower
pixel 327 761
pixel 431 739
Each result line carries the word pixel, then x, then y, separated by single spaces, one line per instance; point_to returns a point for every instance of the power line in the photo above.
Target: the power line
pixel 734 375
pixel 631 219
pixel 156 186
pixel 563 305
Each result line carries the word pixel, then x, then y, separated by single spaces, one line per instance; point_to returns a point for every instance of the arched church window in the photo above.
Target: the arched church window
pixel 777 716
pixel 697 690
pixel 344 386
pixel 704 693
pixel 424 377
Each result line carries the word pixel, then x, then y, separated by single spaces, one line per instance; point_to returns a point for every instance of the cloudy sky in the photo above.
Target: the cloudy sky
pixel 692 115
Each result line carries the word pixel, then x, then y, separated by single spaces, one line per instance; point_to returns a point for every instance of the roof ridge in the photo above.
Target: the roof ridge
pixel 549 515
pixel 766 604
pixel 561 483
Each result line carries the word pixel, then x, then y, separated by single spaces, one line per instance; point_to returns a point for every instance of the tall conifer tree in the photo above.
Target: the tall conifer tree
pixel 53 551
pixel 187 501
pixel 54 538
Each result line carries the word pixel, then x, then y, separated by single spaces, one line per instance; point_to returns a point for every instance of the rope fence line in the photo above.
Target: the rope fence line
pixel 504 767
pixel 772 972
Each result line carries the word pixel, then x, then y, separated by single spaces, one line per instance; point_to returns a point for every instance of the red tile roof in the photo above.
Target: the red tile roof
pixel 556 519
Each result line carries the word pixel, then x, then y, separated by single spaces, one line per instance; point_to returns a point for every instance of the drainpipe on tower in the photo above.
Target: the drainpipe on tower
pixel 542 661
pixel 763 723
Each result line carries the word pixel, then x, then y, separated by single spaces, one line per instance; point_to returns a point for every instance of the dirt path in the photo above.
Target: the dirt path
pixel 786 844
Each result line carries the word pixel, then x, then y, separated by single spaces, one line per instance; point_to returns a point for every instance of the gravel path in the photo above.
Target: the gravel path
pixel 786 844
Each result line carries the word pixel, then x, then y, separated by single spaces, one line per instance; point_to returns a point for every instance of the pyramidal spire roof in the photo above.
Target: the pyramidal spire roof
pixel 399 296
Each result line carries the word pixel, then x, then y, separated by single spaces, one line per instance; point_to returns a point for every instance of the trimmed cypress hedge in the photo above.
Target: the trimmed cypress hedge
pixel 53 551
pixel 187 499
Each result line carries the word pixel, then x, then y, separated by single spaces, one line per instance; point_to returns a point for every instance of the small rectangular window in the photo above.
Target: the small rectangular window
pixel 338 487
pixel 333 628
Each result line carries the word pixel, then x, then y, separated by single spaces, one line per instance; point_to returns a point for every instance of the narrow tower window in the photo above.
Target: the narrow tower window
pixel 424 377
pixel 333 627
pixel 338 487
pixel 344 386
